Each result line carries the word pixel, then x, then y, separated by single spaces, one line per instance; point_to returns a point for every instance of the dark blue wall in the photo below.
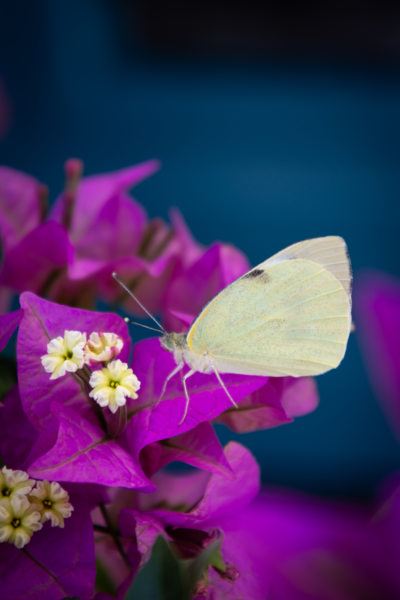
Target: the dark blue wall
pixel 260 154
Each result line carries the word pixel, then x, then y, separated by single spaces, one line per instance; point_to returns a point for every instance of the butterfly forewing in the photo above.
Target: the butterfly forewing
pixel 284 317
pixel 330 252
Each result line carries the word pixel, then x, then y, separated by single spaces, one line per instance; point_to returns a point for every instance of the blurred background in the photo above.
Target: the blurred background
pixel 274 123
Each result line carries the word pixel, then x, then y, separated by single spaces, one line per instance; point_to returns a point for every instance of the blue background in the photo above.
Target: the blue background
pixel 260 154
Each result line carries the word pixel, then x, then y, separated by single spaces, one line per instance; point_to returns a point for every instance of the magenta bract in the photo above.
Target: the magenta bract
pixel 377 312
pixel 43 570
pixel 21 208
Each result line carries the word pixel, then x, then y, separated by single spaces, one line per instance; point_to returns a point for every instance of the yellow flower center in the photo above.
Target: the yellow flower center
pixel 47 503
pixel 16 522
pixel 6 492
pixel 114 384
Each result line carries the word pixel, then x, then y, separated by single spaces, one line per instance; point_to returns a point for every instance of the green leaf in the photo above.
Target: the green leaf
pixel 196 567
pixel 162 578
pixel 8 375
pixel 166 577
pixel 103 580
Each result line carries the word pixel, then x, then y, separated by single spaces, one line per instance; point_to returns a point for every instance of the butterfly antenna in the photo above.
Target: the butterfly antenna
pixel 130 322
pixel 132 295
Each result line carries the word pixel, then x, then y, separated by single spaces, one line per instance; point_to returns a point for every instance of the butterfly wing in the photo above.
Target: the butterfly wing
pixel 329 251
pixel 284 317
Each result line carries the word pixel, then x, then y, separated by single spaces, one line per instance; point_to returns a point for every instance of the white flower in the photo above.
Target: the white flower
pixel 52 502
pixel 113 384
pixel 102 347
pixel 18 520
pixel 14 483
pixel 64 354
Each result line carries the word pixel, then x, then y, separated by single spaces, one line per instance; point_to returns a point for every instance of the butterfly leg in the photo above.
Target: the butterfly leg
pixel 178 368
pixel 224 386
pixel 185 377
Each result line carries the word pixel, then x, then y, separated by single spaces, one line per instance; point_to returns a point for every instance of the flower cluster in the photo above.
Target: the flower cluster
pixel 26 504
pixel 125 514
pixel 110 385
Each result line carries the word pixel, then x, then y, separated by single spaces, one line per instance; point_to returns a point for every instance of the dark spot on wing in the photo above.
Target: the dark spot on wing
pixel 257 273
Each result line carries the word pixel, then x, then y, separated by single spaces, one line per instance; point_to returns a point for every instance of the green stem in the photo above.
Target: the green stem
pixel 114 534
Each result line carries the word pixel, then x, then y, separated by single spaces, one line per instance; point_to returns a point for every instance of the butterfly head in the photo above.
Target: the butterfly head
pixel 173 341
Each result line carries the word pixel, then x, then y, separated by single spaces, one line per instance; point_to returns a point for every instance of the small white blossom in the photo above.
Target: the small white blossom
pixel 102 347
pixel 14 483
pixel 52 502
pixel 64 354
pixel 18 520
pixel 113 384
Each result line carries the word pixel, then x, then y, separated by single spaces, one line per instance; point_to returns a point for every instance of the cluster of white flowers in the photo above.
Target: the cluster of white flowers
pixel 112 384
pixel 25 504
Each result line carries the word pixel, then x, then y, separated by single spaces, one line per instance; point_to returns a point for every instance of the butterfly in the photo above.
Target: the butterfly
pixel 289 315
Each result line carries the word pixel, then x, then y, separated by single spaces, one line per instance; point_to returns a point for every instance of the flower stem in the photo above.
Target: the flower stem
pixel 83 377
pixel 114 534
pixel 117 422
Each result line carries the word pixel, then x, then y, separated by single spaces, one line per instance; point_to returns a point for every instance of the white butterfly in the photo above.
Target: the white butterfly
pixel 290 315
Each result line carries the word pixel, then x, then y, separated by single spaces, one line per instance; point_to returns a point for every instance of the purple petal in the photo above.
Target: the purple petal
pixel 222 496
pixel 377 311
pixel 225 496
pixel 17 435
pixel 163 254
pixel 280 399
pixel 20 206
pixel 30 264
pixel 219 503
pixel 171 251
pixel 188 293
pixel 198 447
pixel 8 324
pixel 150 282
pixel 99 274
pixel 183 489
pixel 185 319
pixel 116 231
pixel 42 321
pixel 308 547
pixel 95 191
pixel 191 250
pixel 142 527
pixel 386 525
pixel 154 422
pixel 242 549
pixel 56 563
pixel 6 298
pixel 299 396
pixel 84 454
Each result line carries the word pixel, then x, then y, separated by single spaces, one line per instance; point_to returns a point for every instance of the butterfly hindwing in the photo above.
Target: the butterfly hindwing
pixel 284 317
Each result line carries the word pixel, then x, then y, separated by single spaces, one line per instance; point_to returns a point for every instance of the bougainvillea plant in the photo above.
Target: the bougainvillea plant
pixel 88 508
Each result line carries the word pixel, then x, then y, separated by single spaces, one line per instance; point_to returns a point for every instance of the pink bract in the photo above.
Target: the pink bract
pixel 190 291
pixel 21 206
pixel 42 570
pixel 217 499
pixel 43 321
pixel 377 313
